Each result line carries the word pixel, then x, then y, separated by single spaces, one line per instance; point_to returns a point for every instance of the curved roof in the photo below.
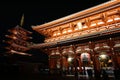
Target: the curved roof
pixel 93 10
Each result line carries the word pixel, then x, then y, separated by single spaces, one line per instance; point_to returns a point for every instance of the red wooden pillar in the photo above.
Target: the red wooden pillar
pixel 80 65
pixel 97 66
pixel 51 65
pixel 75 62
pixel 96 63
pixel 61 61
pixel 113 54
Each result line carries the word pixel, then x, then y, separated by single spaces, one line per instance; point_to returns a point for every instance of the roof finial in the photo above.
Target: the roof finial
pixel 22 20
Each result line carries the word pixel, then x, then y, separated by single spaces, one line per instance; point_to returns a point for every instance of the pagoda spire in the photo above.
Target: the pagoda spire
pixel 22 20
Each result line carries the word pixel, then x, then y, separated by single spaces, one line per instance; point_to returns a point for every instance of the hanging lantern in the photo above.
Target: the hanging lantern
pixel 85 57
pixel 70 59
pixel 103 57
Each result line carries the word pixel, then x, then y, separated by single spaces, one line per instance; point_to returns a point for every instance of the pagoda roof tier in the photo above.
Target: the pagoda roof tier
pixel 17 47
pixel 19 28
pixel 20 53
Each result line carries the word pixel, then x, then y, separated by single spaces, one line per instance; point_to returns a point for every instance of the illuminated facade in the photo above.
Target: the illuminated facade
pixel 87 39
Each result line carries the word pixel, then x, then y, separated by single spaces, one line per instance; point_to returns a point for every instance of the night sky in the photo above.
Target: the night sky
pixel 36 13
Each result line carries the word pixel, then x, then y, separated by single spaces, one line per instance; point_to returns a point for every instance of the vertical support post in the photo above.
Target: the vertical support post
pixel 113 55
pixel 75 63
pixel 61 61
pixel 80 65
pixel 114 59
pixel 96 64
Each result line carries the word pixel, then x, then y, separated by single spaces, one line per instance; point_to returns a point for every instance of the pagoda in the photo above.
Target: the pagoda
pixel 18 41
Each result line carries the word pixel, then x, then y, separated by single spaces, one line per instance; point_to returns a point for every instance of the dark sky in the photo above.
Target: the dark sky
pixel 36 13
